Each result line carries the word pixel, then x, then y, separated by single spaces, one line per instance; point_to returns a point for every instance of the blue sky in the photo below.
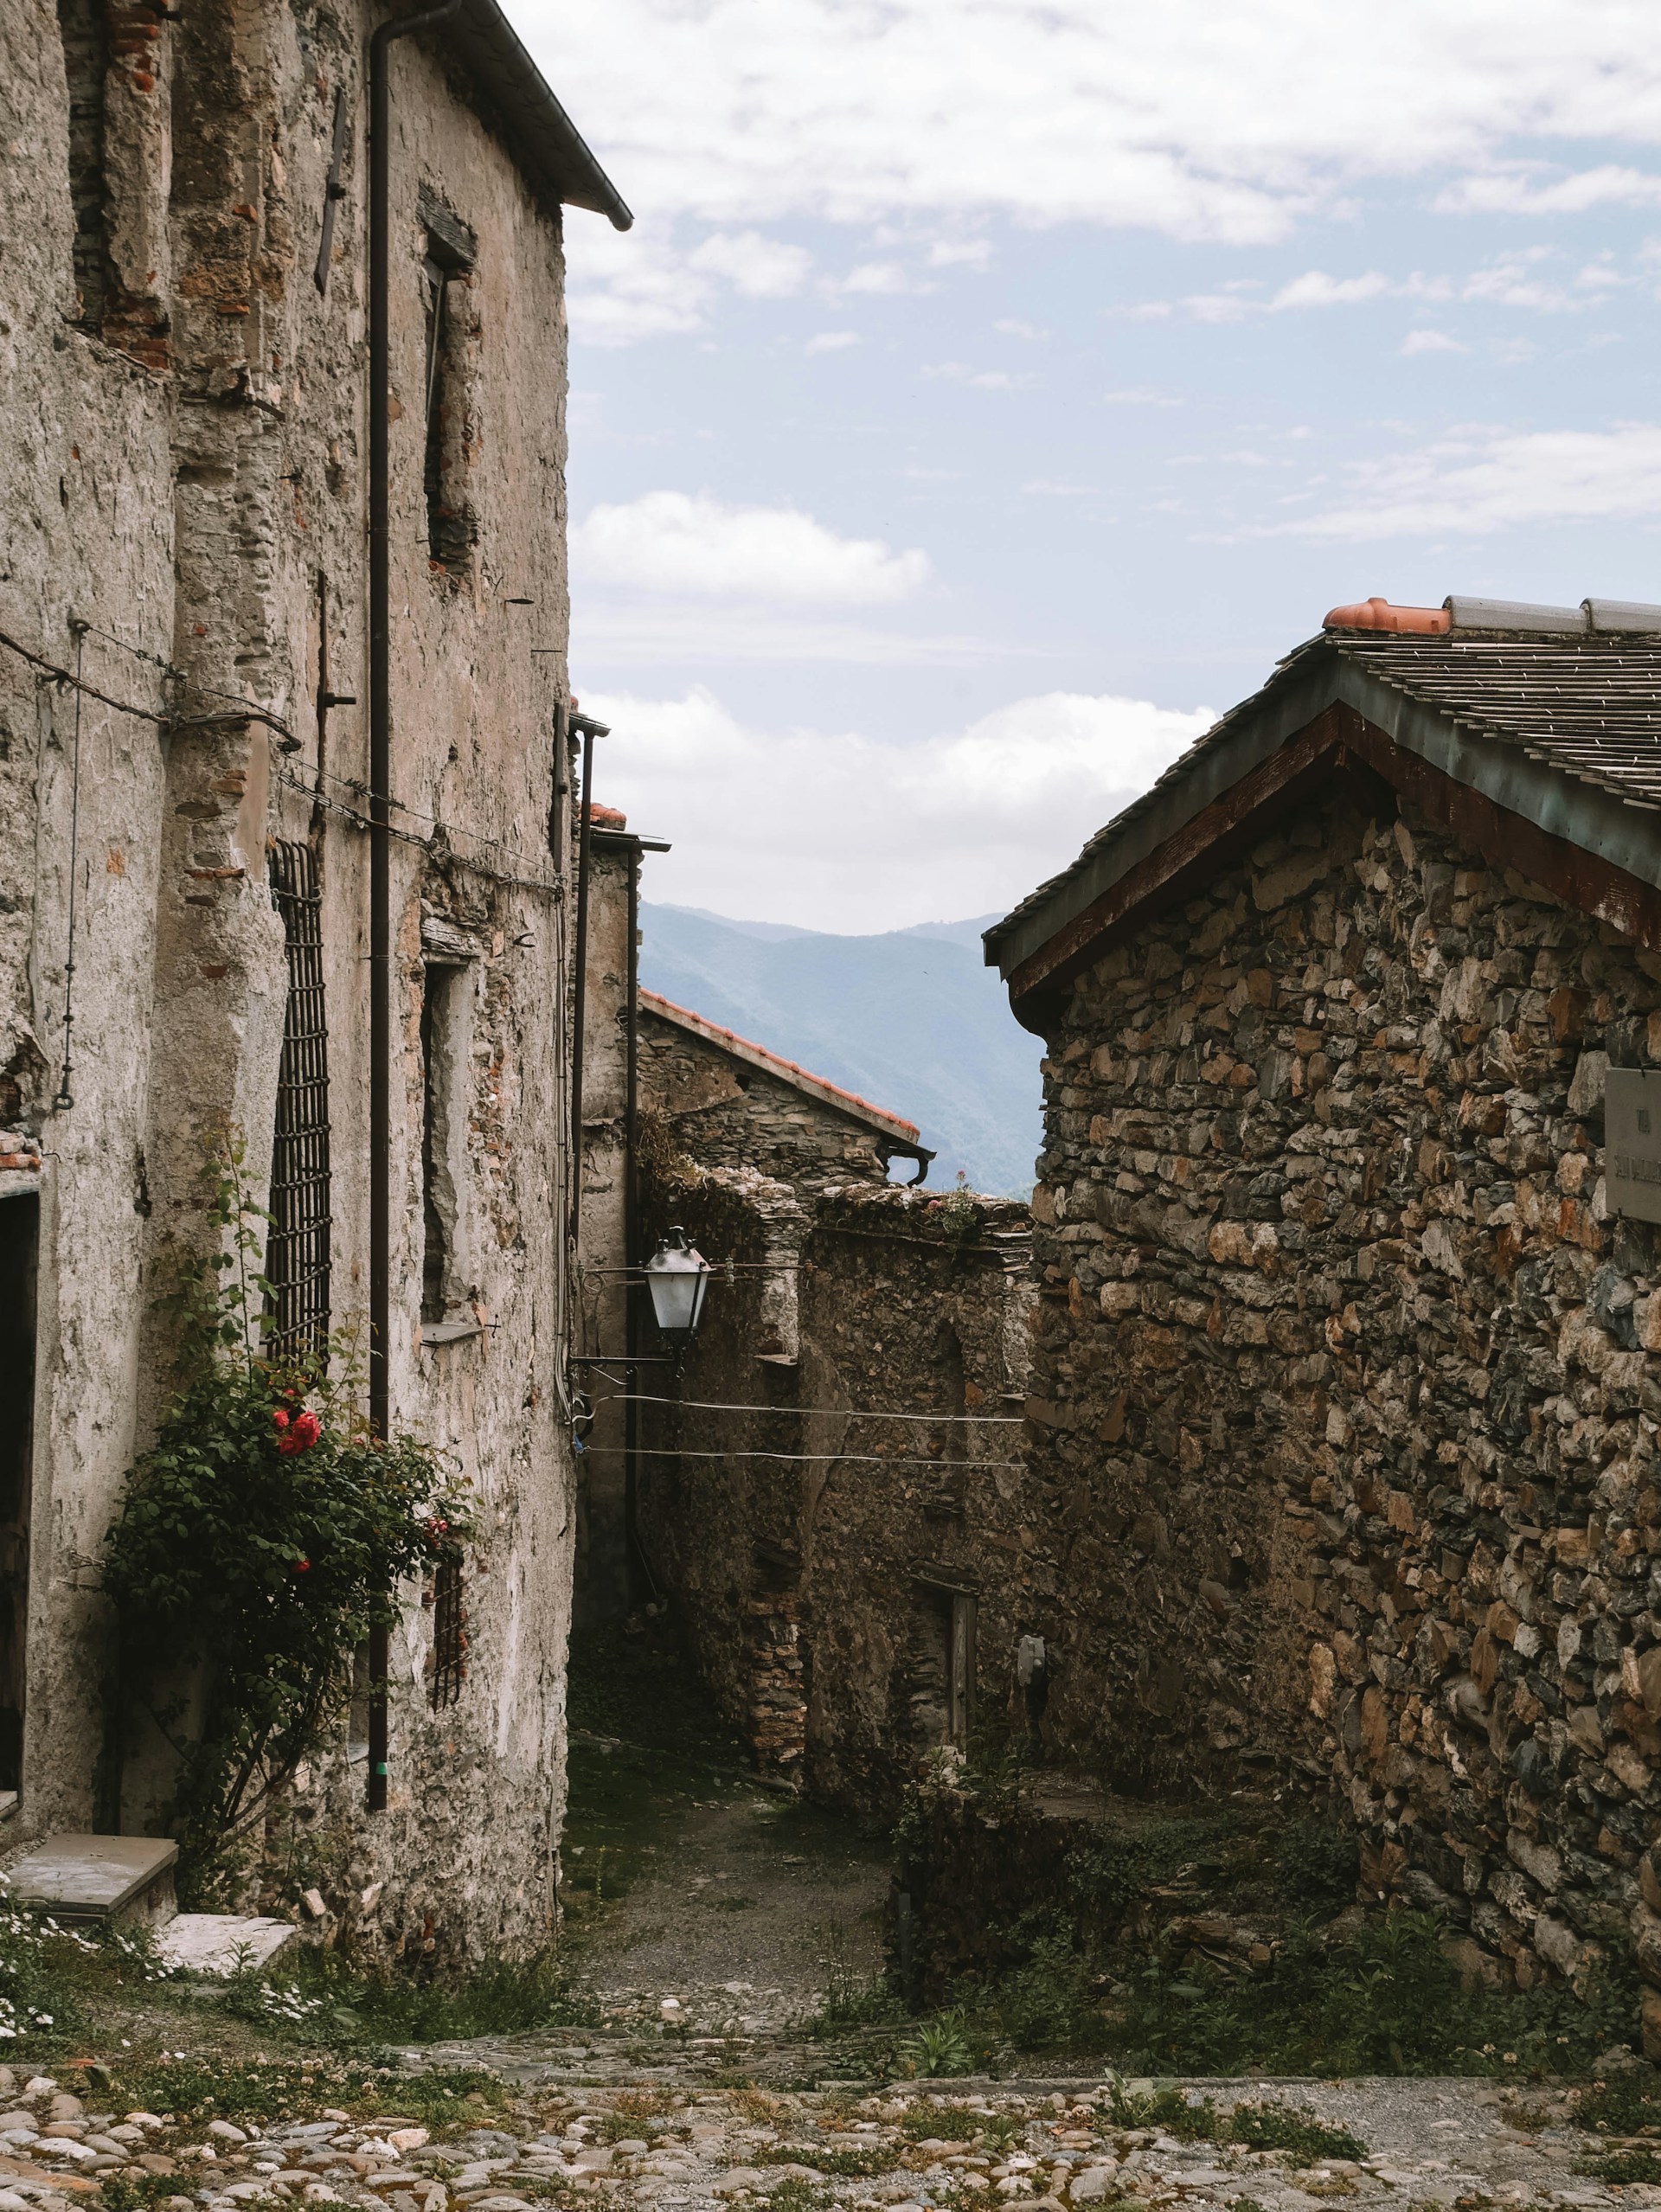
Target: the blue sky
pixel 988 393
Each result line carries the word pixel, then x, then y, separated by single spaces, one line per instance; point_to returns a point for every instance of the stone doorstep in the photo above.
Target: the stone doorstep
pixel 91 1878
pixel 220 1943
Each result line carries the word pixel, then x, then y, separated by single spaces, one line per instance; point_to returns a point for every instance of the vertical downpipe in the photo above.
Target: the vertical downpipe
pixel 589 731
pixel 634 1552
pixel 380 224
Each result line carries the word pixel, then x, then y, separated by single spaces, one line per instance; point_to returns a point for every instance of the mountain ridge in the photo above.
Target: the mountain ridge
pixel 910 1019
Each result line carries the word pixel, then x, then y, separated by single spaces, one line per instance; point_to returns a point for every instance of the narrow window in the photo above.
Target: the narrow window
pixel 445 1000
pixel 298 1246
pixel 84 27
pixel 446 293
pixel 449 1635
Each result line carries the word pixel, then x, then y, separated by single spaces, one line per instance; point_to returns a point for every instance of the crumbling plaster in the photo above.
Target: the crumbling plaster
pixel 188 500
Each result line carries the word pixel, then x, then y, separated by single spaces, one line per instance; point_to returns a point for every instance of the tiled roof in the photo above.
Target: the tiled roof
pixel 787 1070
pixel 1588 708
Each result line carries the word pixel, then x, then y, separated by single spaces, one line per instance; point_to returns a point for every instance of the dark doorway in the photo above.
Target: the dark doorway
pixel 20 1224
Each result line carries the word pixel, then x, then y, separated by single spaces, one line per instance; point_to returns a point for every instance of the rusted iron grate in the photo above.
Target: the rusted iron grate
pixel 449 1635
pixel 298 1246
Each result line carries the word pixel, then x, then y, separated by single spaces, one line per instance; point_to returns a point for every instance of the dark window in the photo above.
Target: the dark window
pixel 449 1635
pixel 84 26
pixel 442 1007
pixel 298 1246
pixel 444 291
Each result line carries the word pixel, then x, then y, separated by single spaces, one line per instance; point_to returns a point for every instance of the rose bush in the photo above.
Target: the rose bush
pixel 258 1541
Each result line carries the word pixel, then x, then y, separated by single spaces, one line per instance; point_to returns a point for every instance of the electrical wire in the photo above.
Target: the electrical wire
pixel 90 690
pixel 802 1459
pixel 550 885
pixel 807 1412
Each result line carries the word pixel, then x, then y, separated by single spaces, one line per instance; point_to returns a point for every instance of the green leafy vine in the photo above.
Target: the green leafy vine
pixel 259 1539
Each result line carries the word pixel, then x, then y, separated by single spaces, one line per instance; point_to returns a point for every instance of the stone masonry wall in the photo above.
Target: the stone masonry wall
pixel 817 1590
pixel 726 1112
pixel 1346 1383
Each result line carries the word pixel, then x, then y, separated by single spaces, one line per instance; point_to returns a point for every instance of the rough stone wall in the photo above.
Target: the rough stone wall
pixel 1345 1383
pixel 602 1583
pixel 726 1113
pixel 202 494
pixel 817 1589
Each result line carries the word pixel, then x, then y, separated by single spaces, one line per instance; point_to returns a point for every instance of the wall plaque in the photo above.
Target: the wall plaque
pixel 1631 1155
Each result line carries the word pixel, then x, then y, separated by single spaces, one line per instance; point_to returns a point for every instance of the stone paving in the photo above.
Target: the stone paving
pixel 1044 2146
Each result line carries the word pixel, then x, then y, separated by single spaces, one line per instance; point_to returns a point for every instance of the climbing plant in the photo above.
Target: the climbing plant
pixel 260 1539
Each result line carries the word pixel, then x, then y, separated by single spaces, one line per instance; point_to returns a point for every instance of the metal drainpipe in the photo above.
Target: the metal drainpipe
pixel 589 731
pixel 631 1229
pixel 380 224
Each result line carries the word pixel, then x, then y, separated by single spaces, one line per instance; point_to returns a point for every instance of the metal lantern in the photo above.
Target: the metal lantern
pixel 677 1277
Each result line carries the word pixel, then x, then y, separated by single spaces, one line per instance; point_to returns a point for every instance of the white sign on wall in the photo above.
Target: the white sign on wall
pixel 1632 1140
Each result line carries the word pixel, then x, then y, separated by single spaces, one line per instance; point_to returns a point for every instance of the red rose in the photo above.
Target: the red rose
pixel 301 1567
pixel 280 1418
pixel 300 1434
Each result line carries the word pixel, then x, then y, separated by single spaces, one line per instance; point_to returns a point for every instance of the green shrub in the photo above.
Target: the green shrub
pixel 1317 1864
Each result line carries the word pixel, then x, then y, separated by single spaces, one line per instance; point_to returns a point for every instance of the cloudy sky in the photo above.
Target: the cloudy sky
pixel 989 392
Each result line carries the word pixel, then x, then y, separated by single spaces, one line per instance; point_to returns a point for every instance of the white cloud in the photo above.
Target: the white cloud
pixel 633 632
pixel 1430 342
pixel 1011 326
pixel 761 268
pixel 832 341
pixel 1316 289
pixel 1186 120
pixel 843 831
pixel 679 544
pixel 1142 396
pixel 875 276
pixel 1514 191
pixel 960 253
pixel 1496 480
pixel 978 379
pixel 1043 488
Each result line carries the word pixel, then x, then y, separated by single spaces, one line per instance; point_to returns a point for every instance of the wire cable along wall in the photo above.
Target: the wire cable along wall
pixel 298 1250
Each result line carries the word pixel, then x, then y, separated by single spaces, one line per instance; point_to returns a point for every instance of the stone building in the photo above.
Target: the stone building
pixel 730 1103
pixel 831 1493
pixel 284 839
pixel 1346 1382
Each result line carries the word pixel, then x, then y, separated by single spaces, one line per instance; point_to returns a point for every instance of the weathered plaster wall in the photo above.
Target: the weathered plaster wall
pixel 207 500
pixel 1345 1383
pixel 818 1591
pixel 85 487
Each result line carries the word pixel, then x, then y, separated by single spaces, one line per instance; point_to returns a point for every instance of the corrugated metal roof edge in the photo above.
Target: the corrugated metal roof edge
pixel 1319 674
pixel 544 139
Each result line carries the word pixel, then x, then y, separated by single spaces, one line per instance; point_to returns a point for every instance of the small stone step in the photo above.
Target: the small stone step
pixel 221 1943
pixel 87 1879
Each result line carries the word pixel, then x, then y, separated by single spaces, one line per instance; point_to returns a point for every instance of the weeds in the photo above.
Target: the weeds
pixel 852 2165
pixel 1628 2105
pixel 1386 2001
pixel 797 2195
pixel 135 2193
pixel 940 2047
pixel 336 2002
pixel 1282 2127
pixel 1636 2162
pixel 196 2090
pixel 851 1999
pixel 634 2112
pixel 961 2124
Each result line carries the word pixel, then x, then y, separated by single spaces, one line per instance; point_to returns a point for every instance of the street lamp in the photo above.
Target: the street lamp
pixel 677 1278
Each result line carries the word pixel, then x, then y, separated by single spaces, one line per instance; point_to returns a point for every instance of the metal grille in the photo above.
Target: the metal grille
pixel 449 1634
pixel 298 1248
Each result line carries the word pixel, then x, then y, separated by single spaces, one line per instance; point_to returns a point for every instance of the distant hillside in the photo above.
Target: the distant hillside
pixel 910 1019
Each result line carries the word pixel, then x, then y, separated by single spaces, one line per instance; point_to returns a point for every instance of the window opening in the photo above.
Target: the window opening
pixel 449 257
pixel 443 1051
pixel 449 1634
pixel 297 1248
pixel 84 28
pixel 19 1241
